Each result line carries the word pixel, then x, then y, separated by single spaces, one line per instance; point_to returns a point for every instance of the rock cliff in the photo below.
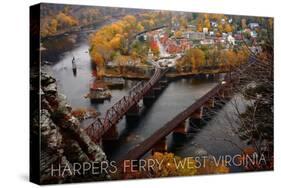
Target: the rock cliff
pixel 62 141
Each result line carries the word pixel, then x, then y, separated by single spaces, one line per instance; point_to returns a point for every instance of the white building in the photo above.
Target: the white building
pixel 205 30
pixel 231 39
pixel 253 25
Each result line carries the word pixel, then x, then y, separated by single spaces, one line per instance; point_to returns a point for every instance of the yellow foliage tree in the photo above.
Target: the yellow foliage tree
pixel 115 42
pixel 183 22
pixel 220 27
pixel 117 28
pixel 199 26
pixel 66 20
pixel 227 28
pixel 140 27
pixel 53 26
pixel 97 58
pixel 207 24
pixel 229 58
pixel 242 56
pixel 195 57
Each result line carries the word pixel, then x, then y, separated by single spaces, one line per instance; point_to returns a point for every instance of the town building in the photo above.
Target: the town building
pixel 195 35
pixel 253 25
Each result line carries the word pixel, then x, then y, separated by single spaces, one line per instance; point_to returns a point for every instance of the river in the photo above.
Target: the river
pixel 179 94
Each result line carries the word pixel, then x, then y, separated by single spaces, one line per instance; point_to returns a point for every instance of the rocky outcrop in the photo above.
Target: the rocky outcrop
pixel 63 142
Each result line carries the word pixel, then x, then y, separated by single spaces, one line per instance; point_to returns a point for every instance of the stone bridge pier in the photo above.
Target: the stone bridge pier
pixel 134 111
pixel 157 88
pixel 111 135
pixel 223 96
pixel 196 117
pixel 163 82
pixel 228 91
pixel 182 128
pixel 152 94
pixel 208 110
pixel 149 97
pixel 133 114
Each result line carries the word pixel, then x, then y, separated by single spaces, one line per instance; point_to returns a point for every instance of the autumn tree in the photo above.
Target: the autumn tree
pixel 207 24
pixel 154 47
pixel 183 23
pixel 139 27
pixel 115 42
pixel 228 58
pixel 65 20
pixel 53 26
pixel 227 28
pixel 199 25
pixel 195 57
pixel 220 28
pixel 241 57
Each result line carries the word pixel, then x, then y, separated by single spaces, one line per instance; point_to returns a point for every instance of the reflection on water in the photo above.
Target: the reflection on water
pixel 57 46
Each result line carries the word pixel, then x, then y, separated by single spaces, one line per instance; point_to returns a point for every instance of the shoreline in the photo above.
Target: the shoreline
pixel 168 75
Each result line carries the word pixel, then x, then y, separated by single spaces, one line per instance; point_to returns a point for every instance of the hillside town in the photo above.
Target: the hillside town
pixel 187 45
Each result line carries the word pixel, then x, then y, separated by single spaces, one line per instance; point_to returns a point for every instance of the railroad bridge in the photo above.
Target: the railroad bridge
pixel 105 128
pixel 157 141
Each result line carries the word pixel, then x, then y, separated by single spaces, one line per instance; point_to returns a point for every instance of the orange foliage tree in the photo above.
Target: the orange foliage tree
pixel 195 57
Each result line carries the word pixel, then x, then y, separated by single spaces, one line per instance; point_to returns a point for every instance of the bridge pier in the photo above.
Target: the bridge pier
pixel 197 114
pixel 163 82
pixel 228 90
pixel 133 111
pixel 219 100
pixel 157 88
pixel 160 146
pixel 210 103
pixel 196 117
pixel 221 94
pixel 208 109
pixel 236 80
pixel 182 128
pixel 149 97
pixel 111 134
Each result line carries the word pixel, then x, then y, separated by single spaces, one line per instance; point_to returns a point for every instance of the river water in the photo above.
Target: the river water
pixel 178 95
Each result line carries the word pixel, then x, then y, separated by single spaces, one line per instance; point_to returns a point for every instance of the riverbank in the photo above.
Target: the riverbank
pixel 145 76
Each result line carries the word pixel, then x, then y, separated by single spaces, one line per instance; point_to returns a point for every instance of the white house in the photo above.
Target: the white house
pixel 205 30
